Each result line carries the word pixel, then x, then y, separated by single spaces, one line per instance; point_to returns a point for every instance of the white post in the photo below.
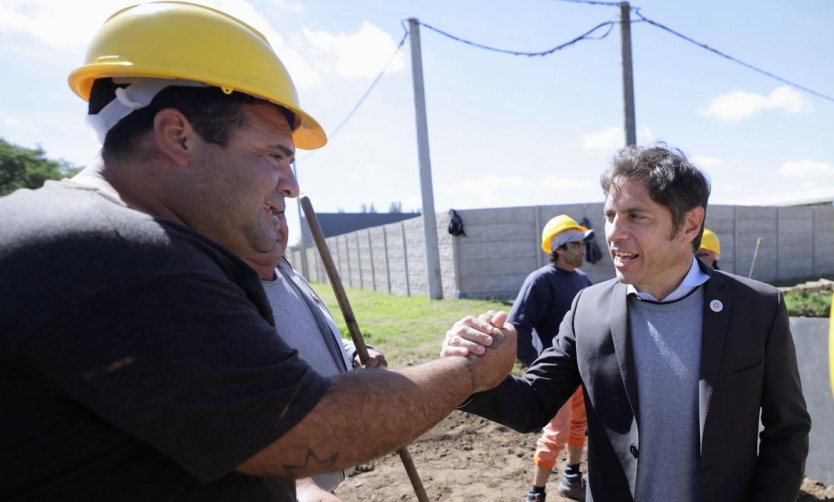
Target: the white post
pixel 429 218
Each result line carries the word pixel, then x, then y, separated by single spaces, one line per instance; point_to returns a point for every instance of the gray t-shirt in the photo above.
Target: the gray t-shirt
pixel 313 333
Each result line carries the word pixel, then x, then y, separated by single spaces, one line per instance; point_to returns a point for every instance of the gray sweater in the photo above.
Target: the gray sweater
pixel 666 343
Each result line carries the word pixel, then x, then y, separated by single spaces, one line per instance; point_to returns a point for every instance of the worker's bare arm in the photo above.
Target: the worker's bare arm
pixel 366 414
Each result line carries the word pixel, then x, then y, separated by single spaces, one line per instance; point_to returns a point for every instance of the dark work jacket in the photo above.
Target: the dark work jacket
pixel 748 365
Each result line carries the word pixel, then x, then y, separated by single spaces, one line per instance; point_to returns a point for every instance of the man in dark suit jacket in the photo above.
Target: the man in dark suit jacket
pixel 677 360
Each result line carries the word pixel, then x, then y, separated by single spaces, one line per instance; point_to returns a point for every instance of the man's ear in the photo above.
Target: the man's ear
pixel 174 136
pixel 693 222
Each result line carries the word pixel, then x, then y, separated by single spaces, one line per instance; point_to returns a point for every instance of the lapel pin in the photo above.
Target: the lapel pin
pixel 716 305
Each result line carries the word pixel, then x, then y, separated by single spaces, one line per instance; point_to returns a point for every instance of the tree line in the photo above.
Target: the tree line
pixel 29 168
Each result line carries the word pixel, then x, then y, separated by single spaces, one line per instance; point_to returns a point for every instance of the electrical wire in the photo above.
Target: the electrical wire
pixel 588 35
pixel 364 96
pixel 584 36
pixel 594 2
pixel 749 66
pixel 731 58
pixel 371 87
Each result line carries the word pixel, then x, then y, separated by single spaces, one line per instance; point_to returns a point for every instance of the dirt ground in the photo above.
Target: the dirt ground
pixel 466 458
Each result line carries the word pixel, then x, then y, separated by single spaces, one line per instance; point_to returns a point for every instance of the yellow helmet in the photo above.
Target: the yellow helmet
pixel 180 40
pixel 559 224
pixel 710 242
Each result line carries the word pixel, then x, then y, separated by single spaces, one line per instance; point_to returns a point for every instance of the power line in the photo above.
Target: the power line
pixel 371 87
pixel 365 95
pixel 584 36
pixel 731 58
pixel 588 35
pixel 643 18
pixel 594 2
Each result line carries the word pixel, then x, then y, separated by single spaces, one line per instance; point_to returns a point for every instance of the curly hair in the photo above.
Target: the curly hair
pixel 673 181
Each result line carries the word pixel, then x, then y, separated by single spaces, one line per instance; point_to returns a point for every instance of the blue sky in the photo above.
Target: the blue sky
pixel 503 130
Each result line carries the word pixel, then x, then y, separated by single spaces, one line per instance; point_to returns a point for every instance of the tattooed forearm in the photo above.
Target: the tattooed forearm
pixel 311 460
pixel 471 376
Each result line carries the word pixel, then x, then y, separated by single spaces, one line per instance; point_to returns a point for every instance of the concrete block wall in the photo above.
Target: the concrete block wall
pixel 796 241
pixel 751 224
pixel 722 221
pixel 446 248
pixel 823 240
pixel 389 258
pixel 811 339
pixel 501 247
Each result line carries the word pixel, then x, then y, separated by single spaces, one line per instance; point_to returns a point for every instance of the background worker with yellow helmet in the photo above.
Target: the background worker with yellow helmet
pixel 141 360
pixel 710 249
pixel 542 302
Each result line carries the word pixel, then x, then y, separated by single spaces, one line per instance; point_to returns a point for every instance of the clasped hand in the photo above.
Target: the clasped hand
pixel 488 344
pixel 474 335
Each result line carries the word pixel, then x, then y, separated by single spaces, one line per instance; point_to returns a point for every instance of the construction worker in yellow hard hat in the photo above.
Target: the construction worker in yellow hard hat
pixel 542 302
pixel 567 230
pixel 710 249
pixel 140 349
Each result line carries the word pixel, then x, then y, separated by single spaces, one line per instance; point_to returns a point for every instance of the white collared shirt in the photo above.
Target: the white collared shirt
pixel 694 278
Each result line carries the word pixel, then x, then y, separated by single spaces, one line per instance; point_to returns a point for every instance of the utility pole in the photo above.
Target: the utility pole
pixel 429 219
pixel 628 74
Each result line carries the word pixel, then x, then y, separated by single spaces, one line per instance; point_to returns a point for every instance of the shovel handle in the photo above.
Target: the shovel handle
pixel 353 326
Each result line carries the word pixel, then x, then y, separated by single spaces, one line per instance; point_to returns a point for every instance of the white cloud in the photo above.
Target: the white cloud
pixel 560 184
pixel 737 104
pixel 513 191
pixel 806 169
pixel 289 5
pixel 608 139
pixel 358 55
pixel 61 26
pixel 373 168
pixel 304 75
pixel 363 171
pixel 62 136
pixel 487 185
pixel 613 138
pixel 706 162
pixel 789 100
pixel 644 135
pixel 10 122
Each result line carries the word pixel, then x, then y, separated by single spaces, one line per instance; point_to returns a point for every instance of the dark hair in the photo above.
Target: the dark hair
pixel 214 114
pixel 554 256
pixel 673 181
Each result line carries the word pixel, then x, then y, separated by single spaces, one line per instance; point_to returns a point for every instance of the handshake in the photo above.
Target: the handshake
pixel 488 343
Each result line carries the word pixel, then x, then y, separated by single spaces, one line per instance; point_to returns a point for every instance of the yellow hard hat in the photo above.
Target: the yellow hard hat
pixel 710 242
pixel 180 40
pixel 560 224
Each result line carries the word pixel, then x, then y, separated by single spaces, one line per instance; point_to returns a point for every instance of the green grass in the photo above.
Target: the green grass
pixel 408 330
pixel 806 304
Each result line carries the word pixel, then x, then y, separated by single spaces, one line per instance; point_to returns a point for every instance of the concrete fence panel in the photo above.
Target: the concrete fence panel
pixel 811 339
